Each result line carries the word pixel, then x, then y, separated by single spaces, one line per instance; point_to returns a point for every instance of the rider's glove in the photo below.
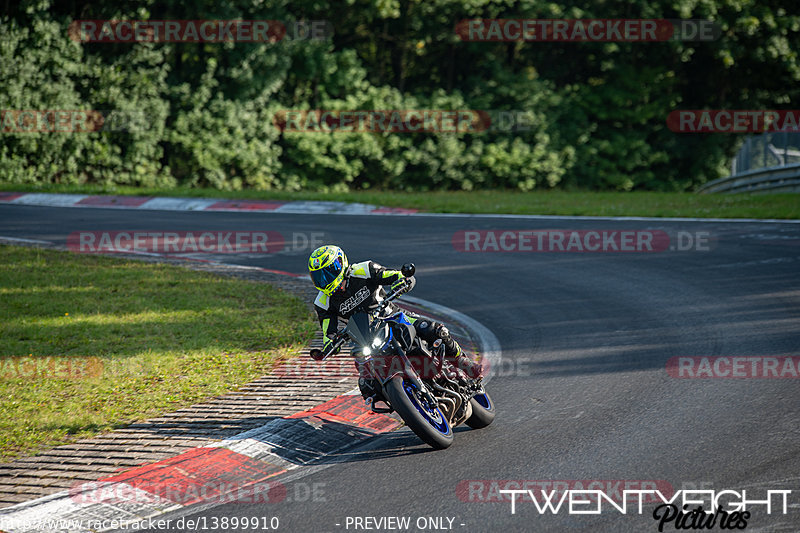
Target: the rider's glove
pixel 403 285
pixel 327 350
pixel 399 285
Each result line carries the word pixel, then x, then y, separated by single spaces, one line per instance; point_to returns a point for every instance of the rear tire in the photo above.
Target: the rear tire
pixel 482 411
pixel 430 425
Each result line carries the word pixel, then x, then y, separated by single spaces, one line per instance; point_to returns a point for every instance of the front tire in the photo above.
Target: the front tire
pixel 427 422
pixel 482 411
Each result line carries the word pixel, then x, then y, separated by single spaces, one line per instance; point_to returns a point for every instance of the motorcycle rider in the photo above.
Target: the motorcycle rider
pixel 345 289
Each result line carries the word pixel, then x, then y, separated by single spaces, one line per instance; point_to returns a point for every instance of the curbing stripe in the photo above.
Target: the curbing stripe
pixel 177 204
pixel 395 211
pixel 198 204
pixel 350 409
pixel 30 514
pixel 329 208
pixel 176 479
pixel 8 196
pixel 243 461
pixel 54 200
pixel 326 207
pixel 114 201
pixel 243 205
pixel 250 458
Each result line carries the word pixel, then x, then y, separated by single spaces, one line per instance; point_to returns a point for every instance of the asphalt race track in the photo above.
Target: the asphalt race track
pixel 583 392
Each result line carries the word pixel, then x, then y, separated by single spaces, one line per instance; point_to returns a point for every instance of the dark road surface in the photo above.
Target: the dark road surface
pixel 582 393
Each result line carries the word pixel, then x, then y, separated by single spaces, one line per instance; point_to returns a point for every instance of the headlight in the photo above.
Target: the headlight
pixel 366 350
pixel 380 337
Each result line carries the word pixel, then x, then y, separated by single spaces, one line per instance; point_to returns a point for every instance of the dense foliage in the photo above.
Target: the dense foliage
pixel 596 112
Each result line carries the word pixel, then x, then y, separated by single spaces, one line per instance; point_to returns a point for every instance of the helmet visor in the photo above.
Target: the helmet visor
pixel 323 277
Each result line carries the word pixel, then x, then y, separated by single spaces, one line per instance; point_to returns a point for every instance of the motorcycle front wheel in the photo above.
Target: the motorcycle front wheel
pixel 425 420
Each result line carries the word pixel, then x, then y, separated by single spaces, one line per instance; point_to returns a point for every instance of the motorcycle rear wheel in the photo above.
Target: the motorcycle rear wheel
pixel 482 411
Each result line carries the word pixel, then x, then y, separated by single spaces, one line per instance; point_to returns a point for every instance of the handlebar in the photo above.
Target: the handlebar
pixel 393 296
pixel 341 336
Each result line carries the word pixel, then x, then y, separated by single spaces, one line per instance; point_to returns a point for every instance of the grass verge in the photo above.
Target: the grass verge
pixel 650 204
pixel 91 343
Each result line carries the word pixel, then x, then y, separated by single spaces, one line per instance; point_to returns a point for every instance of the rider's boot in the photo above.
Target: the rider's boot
pixel 459 358
pixel 370 390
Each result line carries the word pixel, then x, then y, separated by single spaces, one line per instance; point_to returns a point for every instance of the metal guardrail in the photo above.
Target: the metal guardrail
pixel 765 163
pixel 773 179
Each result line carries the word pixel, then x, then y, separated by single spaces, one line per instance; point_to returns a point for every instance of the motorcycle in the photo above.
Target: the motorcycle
pixel 430 394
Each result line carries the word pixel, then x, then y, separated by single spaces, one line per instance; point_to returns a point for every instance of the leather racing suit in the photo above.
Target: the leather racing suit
pixel 363 290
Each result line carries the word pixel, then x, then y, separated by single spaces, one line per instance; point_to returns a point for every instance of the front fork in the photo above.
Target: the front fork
pixel 411 374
